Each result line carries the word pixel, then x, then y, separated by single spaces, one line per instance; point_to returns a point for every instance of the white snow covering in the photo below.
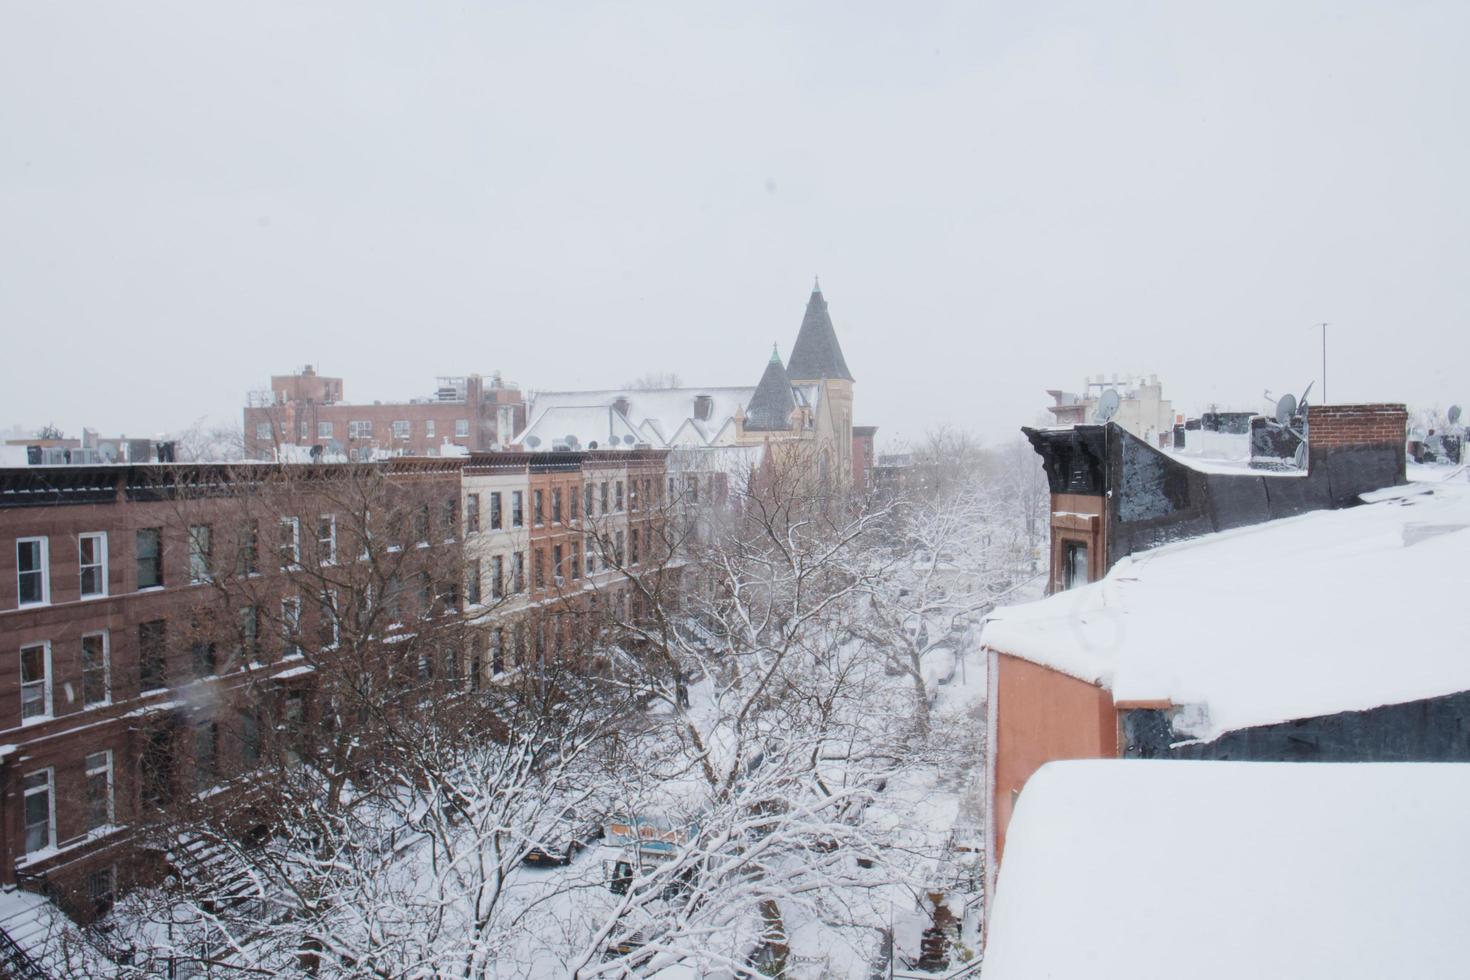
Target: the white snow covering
pixel 1213 870
pixel 1331 611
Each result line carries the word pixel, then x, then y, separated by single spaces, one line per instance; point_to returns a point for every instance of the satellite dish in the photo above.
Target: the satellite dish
pixel 1107 405
pixel 1285 408
pixel 629 440
pixel 107 452
pixel 1454 414
pixel 533 441
pixel 572 441
pixel 592 444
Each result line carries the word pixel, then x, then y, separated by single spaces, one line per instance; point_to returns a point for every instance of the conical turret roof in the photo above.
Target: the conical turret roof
pixel 816 354
pixel 771 406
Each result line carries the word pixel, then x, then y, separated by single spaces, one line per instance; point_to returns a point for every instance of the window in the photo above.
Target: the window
pixel 591 556
pixel 102 888
pixel 201 547
pixel 472 586
pixel 618 496
pixel 704 406
pixel 618 548
pixel 421 524
pixel 40 811
pixel 247 549
pixel 451 518
pixel 497 651
pixel 495 511
pixel 96 670
pixel 35 682
pixel 538 568
pixel 429 428
pixel 517 509
pixel 461 428
pixel 263 431
pixel 518 581
pixel 202 655
pixel 401 429
pixel 152 655
pixel 556 505
pixel 150 558
pixel 326 539
pixel 98 790
pixel 92 556
pixel 250 632
pixel 330 627
pixel 471 512
pixel 572 498
pixel 538 508
pixel 290 626
pixel 206 755
pixel 587 500
pixel 497 577
pixel 250 737
pixel 156 768
pixel 691 488
pixel 647 492
pixel 303 430
pixel 32 571
pixel 324 430
pixel 604 497
pixel 576 568
pixel 633 546
pixel 632 494
pixel 1074 564
pixel 289 546
pixel 556 563
pixel 360 429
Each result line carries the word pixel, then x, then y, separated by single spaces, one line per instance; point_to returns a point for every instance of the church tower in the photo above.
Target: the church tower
pixel 816 359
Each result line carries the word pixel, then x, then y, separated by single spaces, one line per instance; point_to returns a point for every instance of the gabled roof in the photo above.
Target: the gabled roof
pixel 771 406
pixel 1294 618
pixel 816 353
pixel 1118 870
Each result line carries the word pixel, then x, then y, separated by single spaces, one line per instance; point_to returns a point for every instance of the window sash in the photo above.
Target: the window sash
pixel 35 681
pixel 149 547
pixel 96 669
pixel 40 811
pixel 201 546
pixel 99 808
pixel 33 586
pixel 92 559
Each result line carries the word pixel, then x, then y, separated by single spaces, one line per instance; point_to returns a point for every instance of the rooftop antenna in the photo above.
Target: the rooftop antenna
pixel 1324 325
pixel 1107 405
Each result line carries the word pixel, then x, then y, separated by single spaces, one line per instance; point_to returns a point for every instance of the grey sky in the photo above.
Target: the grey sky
pixel 998 198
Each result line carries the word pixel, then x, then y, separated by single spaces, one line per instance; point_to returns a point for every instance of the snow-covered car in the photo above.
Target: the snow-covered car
pixel 566 837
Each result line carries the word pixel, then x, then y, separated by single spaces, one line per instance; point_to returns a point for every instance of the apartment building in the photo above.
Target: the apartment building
pixel 305 410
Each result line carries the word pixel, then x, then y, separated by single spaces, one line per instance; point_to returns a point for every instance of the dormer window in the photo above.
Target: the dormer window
pixel 704 407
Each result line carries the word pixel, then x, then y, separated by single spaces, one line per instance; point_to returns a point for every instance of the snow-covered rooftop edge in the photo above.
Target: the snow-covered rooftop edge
pixel 1295 618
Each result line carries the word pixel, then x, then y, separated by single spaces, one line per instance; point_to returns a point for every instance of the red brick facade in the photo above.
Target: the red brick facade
pixel 1337 426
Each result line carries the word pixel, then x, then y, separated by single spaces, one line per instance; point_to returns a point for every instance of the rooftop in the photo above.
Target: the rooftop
pixel 1249 625
pixel 1120 870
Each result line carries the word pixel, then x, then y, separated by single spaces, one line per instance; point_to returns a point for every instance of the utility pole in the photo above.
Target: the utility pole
pixel 1324 327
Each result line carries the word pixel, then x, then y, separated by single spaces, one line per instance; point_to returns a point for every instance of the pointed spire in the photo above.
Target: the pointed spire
pixel 771 406
pixel 817 355
pixel 816 284
pixel 775 354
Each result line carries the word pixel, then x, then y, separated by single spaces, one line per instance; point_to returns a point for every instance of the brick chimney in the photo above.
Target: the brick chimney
pixel 1362 447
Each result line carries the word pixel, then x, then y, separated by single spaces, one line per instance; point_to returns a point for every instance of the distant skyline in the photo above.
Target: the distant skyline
pixel 998 198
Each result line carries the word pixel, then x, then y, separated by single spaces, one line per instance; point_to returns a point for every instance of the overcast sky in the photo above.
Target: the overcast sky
pixel 999 199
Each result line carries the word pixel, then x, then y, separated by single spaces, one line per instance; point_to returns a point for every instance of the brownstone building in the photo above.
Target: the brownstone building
pixel 306 410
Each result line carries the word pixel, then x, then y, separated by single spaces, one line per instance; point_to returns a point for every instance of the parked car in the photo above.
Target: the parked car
pixel 566 837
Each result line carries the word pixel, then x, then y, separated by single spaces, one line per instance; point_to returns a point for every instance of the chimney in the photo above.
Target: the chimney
pixel 1361 447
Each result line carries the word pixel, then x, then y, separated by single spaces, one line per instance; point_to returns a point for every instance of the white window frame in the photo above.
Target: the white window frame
pixel 461 428
pixel 106 669
pixel 44 571
pixel 429 428
pixel 329 606
pixel 329 543
pixel 402 429
pixel 27 792
pixel 265 432
pixel 360 429
pixel 291 626
pixel 303 429
pixel 199 561
pixel 45 683
pixel 323 430
pixel 90 769
pixel 294 523
pixel 99 551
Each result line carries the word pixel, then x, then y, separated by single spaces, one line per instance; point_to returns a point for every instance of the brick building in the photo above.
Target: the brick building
pixel 306 410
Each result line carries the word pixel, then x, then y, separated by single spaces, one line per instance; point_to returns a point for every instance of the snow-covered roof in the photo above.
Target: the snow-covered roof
pixel 661 417
pixel 1212 870
pixel 1294 618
